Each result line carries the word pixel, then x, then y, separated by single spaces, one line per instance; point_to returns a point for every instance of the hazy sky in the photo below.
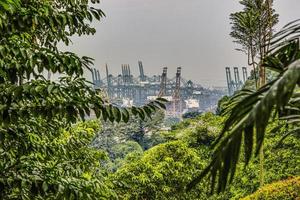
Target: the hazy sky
pixel 193 34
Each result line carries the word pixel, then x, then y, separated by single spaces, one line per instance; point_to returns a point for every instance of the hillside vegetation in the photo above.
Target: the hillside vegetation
pixel 164 171
pixel 49 150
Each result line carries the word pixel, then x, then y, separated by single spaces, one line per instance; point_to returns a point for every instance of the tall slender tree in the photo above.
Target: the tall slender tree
pixel 252 29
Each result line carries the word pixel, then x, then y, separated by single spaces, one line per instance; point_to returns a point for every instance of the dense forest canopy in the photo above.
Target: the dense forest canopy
pixel 49 150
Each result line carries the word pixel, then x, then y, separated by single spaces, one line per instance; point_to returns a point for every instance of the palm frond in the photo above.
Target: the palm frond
pixel 287 34
pixel 250 113
pixel 295 131
pixel 250 116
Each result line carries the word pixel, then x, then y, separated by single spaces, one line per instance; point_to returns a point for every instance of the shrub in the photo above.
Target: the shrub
pixel 282 190
pixel 162 173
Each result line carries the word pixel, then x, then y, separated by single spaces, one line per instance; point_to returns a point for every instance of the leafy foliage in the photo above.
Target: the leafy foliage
pixel 138 177
pixel 140 131
pixel 282 190
pixel 252 28
pixel 54 164
pixel 39 160
pixel 281 162
pixel 124 153
pixel 43 155
pixel 252 110
pixel 28 47
pixel 9 5
pixel 161 173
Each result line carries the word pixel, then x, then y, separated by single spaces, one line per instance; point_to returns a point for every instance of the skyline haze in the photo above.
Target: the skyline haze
pixel 193 35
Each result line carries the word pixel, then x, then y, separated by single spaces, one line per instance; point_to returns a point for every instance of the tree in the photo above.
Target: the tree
pixel 252 110
pixel 252 29
pixel 137 130
pixel 161 173
pixel 33 109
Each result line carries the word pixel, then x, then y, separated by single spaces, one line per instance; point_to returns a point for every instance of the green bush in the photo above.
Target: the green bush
pixel 162 173
pixel 60 164
pixel 155 175
pixel 281 190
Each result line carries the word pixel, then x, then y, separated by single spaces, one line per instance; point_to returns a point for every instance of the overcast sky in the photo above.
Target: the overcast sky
pixel 193 34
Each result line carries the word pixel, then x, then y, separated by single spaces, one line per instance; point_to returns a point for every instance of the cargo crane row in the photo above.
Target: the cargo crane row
pixel 126 90
pixel 235 84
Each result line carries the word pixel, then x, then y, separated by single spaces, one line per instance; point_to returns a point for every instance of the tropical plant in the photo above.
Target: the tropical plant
pixel 252 29
pixel 33 109
pixel 281 162
pixel 251 111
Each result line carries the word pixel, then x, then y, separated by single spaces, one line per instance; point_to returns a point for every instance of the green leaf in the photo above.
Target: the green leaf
pixel 45 187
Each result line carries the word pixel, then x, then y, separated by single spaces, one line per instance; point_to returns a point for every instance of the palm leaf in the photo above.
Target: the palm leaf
pixel 242 122
pixel 250 111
